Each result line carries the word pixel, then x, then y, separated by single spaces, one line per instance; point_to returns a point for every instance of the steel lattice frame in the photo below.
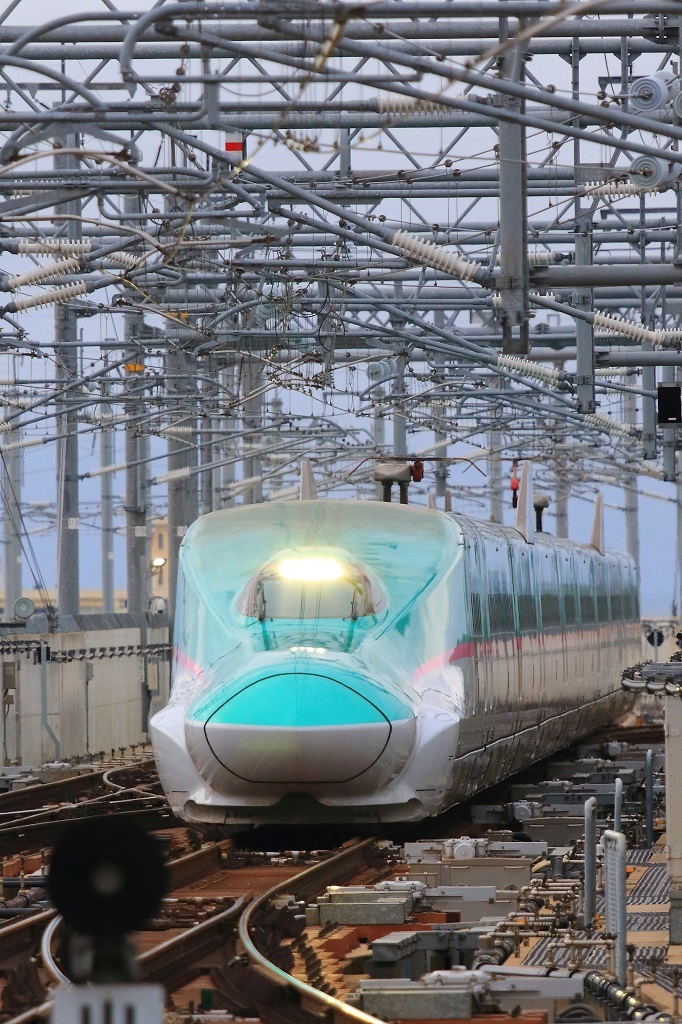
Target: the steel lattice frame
pixel 423 214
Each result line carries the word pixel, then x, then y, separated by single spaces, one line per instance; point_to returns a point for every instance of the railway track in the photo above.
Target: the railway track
pixel 78 787
pixel 231 927
pixel 239 951
pixel 32 818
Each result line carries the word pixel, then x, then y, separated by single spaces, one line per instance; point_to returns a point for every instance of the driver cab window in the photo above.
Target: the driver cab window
pixel 309 589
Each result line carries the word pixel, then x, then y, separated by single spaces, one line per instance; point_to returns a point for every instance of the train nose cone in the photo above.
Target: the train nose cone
pixel 294 728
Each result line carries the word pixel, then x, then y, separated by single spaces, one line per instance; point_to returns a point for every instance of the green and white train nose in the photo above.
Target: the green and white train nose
pixel 299 726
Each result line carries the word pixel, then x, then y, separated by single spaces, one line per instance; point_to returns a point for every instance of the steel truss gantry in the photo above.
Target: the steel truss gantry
pixel 232 238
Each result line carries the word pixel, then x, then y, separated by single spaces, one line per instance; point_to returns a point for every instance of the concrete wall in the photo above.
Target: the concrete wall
pixel 55 710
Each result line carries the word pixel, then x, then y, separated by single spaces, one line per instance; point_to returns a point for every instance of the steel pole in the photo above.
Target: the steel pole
pixel 12 523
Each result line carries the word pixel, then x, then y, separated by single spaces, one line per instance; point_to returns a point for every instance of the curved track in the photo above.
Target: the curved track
pixel 231 940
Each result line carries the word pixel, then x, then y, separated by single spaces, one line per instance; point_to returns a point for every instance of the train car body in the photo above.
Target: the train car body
pixel 351 661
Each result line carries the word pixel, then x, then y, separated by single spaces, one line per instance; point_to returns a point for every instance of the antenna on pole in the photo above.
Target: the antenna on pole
pixel 597 540
pixel 525 512
pixel 308 489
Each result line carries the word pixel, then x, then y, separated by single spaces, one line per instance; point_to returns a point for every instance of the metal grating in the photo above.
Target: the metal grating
pixel 652 921
pixel 653 886
pixel 639 856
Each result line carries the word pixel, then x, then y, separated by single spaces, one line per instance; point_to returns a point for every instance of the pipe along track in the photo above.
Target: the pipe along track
pixel 240 948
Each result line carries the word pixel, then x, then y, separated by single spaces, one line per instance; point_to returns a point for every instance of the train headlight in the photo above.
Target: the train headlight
pixel 311 569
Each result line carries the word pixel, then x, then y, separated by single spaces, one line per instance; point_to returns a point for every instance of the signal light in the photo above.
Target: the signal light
pixel 514 483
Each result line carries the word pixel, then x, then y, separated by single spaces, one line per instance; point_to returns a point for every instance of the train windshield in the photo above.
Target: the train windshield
pixel 309 588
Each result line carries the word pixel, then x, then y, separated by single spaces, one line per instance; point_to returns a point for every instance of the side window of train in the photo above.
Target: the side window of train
pixel 525 590
pixel 475 579
pixel 630 596
pixel 500 591
pixel 601 578
pixel 616 590
pixel 549 584
pixel 587 606
pixel 568 574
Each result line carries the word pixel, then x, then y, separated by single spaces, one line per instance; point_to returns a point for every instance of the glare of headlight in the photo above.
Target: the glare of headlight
pixel 310 569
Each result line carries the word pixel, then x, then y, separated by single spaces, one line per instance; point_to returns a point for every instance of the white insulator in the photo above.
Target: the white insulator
pixel 627 329
pixel 241 485
pixel 63 293
pixel 435 256
pixel 31 442
pixel 536 258
pixel 126 259
pixel 673 334
pixel 178 430
pixel 56 269
pixel 595 419
pixel 406 106
pixel 541 295
pixel 496 300
pixel 49 246
pixel 284 493
pixel 616 189
pixel 541 258
pixel 547 375
pixel 653 92
pixel 103 470
pixel 172 474
pixel 5 428
pixel 653 171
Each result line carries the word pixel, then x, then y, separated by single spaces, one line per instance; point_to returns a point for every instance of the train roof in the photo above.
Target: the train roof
pixel 471 524
pixel 377 513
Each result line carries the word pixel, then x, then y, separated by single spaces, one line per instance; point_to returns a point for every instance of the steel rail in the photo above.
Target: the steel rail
pixel 49 962
pixel 64 790
pixel 305 994
pixel 175 961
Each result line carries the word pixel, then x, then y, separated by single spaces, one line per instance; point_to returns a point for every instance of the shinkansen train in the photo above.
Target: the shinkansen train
pixel 366 662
